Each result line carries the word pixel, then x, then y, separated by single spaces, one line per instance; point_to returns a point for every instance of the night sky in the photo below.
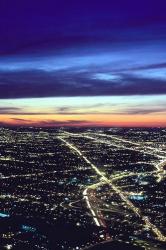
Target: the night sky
pixel 83 63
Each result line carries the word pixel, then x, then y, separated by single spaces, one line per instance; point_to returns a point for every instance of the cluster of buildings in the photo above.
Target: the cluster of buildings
pixel 72 189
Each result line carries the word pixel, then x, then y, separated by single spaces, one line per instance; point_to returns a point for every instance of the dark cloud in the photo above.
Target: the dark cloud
pixel 152 66
pixel 142 110
pixel 35 26
pixel 27 113
pixel 79 110
pixel 9 110
pixel 63 84
pixel 142 67
pixel 90 109
pixel 45 123
pixel 119 109
pixel 52 123
pixel 33 30
pixel 20 120
pixel 64 109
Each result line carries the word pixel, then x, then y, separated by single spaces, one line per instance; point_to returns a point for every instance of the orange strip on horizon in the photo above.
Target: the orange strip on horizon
pixel 84 120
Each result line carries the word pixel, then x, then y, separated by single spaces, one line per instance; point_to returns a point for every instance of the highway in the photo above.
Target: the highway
pixel 117 190
pixel 151 152
pixel 96 220
pixel 155 150
pixel 160 170
pixel 160 173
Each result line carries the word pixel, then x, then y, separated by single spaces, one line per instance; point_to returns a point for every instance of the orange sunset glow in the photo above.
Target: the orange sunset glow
pixel 84 120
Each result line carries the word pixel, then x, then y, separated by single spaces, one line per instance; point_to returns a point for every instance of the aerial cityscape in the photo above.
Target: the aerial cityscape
pixel 74 188
pixel 82 125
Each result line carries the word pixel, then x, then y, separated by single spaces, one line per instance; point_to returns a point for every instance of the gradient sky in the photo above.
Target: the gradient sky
pixel 83 63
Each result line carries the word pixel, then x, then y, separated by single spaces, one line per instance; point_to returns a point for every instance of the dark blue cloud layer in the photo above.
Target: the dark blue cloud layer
pixel 30 30
pixel 35 26
pixel 45 84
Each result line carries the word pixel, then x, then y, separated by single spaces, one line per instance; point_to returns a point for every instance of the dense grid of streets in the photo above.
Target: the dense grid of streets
pixel 106 184
pixel 118 191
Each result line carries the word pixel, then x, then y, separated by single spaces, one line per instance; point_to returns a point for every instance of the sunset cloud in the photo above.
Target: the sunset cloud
pixel 104 59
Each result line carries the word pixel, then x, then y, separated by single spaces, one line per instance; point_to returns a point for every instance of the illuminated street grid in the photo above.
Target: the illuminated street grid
pixel 99 184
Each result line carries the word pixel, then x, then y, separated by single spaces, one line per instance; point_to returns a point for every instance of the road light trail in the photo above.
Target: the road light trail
pixel 85 194
pixel 86 190
pixel 27 175
pixel 136 210
pixel 130 142
pixel 158 167
pixel 118 139
pixel 160 170
pixel 125 147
